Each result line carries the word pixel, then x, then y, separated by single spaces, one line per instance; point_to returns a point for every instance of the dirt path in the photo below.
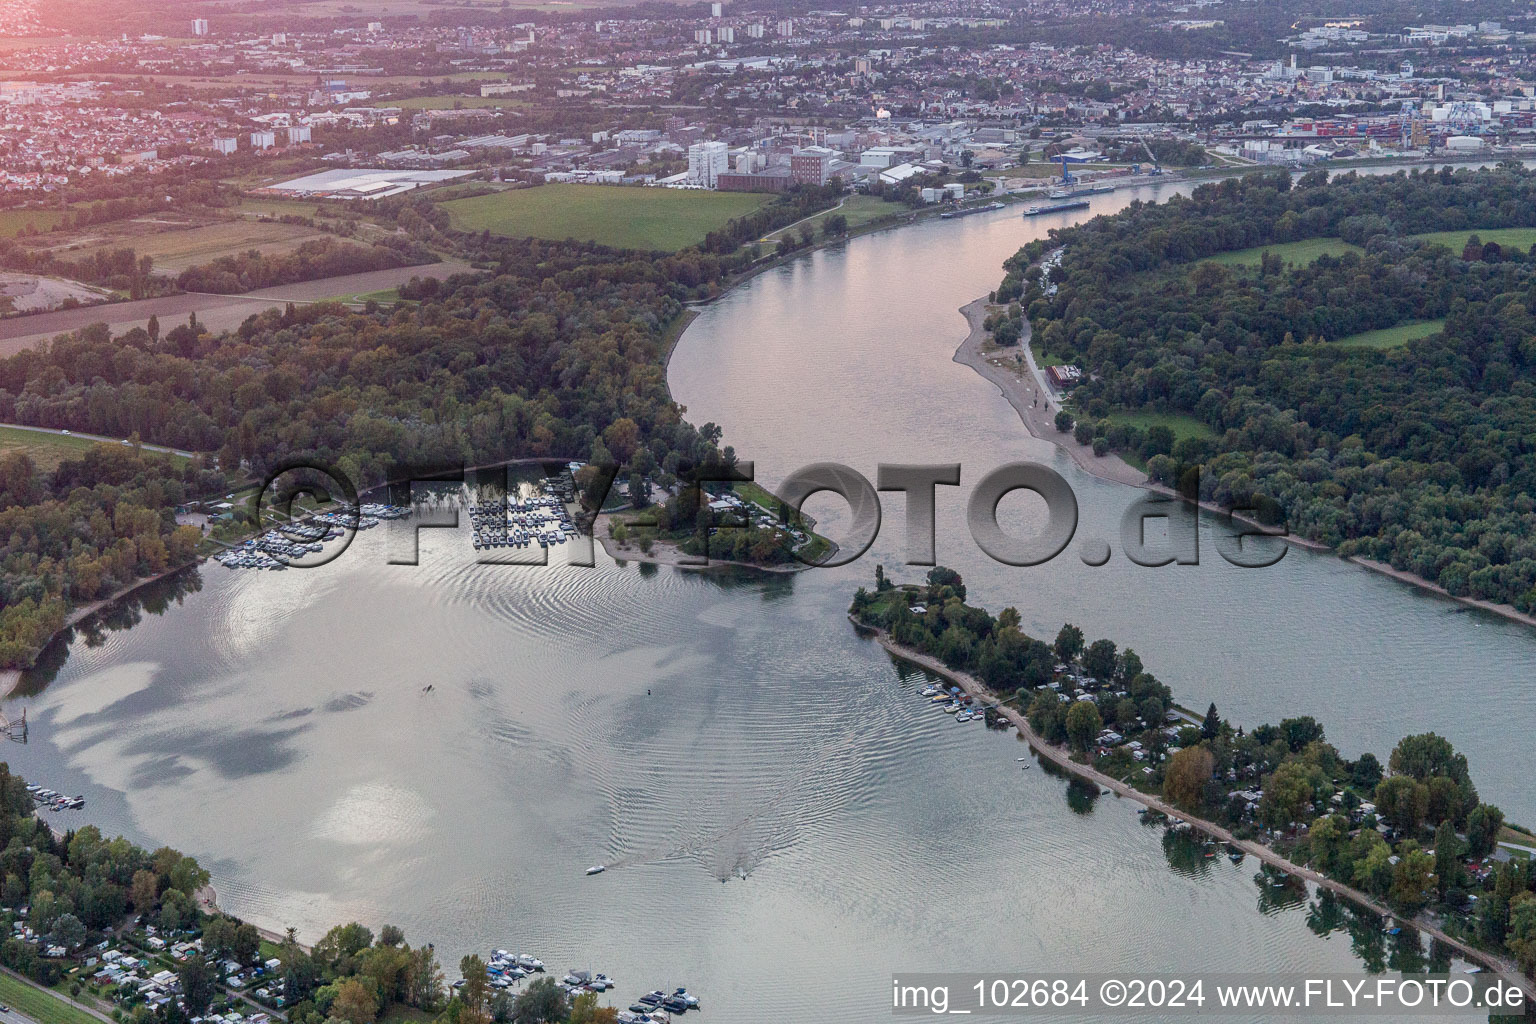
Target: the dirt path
pixel 1063 760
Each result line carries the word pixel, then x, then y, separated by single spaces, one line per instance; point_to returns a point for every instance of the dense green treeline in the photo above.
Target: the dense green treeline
pixel 1422 455
pixel 323 257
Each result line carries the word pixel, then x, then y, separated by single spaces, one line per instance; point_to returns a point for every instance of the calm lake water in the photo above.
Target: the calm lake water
pixel 787 823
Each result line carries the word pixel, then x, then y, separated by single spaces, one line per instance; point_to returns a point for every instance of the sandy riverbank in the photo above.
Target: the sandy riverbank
pixel 1063 760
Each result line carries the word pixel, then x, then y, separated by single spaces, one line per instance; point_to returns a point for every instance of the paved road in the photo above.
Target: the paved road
pixel 216 312
pixel 97 437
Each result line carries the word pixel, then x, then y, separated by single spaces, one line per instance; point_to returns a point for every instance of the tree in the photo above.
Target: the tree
pixel 1447 849
pixel 1328 843
pixel 584 1010
pixel 245 942
pixel 68 932
pixel 1521 934
pixel 198 985
pixel 1063 421
pixel 1402 802
pixel 1069 642
pixel 1083 724
pixel 1483 826
pixel 1365 773
pixel 426 979
pixel 1372 860
pixel 941 576
pixel 1413 877
pixel 144 890
pixel 1427 755
pixel 473 993
pixel 355 1002
pixel 541 1002
pixel 1289 793
pixel 1211 727
pixel 1188 772
pixel 1099 660
pixel 1299 732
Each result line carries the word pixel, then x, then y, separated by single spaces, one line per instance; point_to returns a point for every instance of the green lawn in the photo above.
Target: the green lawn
pixel 1392 337
pixel 1302 252
pixel 39 1005
pixel 1519 238
pixel 624 217
pixel 1181 424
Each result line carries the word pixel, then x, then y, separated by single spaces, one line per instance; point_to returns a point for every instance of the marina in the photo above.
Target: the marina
pixel 49 800
pixel 283 545
pixel 504 970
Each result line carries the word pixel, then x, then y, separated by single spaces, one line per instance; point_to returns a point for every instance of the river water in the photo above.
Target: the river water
pixel 786 823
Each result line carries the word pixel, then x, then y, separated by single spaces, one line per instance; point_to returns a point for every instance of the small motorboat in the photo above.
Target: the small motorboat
pixel 597 869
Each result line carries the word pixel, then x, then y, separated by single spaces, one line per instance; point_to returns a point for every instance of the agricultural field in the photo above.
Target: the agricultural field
pixel 13 222
pixel 1517 238
pixel 175 250
pixel 624 217
pixel 1392 337
pixel 1305 251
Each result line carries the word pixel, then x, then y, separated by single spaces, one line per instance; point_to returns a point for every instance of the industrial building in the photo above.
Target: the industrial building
pixel 360 183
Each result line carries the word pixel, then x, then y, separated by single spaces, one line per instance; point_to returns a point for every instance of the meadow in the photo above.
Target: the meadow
pixel 1392 337
pixel 660 219
pixel 1298 253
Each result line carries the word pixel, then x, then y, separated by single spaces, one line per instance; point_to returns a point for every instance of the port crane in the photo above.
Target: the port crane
pixel 1157 168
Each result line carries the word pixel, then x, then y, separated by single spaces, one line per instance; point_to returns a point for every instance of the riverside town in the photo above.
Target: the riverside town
pixel 1032 326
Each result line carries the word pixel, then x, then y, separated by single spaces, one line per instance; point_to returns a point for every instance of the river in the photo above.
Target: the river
pixel 787 824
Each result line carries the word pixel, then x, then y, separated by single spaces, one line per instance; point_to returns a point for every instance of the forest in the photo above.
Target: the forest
pixel 557 351
pixel 1420 454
